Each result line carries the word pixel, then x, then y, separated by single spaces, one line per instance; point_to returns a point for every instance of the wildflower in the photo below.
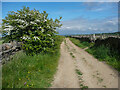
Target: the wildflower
pixel 19 79
pixel 25 83
pixel 28 72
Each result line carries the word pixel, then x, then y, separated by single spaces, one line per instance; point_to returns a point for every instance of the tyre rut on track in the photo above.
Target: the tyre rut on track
pixel 95 74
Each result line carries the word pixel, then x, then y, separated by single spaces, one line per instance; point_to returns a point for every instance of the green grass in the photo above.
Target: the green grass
pixel 78 72
pixel 1 41
pixel 100 52
pixel 80 78
pixel 100 79
pixel 66 44
pixel 25 71
pixel 0 77
pixel 80 44
pixel 72 55
pixel 83 87
pixel 103 53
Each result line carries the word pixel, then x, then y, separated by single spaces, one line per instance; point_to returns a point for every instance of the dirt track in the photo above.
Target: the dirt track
pixel 95 74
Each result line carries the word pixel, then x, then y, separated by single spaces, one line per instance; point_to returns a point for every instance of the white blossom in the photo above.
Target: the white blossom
pixel 42 30
pixel 19 16
pixel 26 24
pixel 16 19
pixel 29 14
pixel 45 20
pixel 52 39
pixel 52 43
pixel 37 20
pixel 8 29
pixel 48 26
pixel 35 37
pixel 39 27
pixel 48 34
pixel 33 22
pixel 8 26
pixel 21 21
pixel 26 37
pixel 21 26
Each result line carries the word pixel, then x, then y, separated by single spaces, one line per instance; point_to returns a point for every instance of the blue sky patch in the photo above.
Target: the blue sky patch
pixel 78 17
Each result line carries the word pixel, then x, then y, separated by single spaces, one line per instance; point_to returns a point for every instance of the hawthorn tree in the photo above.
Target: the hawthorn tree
pixel 34 29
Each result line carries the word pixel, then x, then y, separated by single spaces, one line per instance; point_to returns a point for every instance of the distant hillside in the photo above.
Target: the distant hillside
pixel 115 33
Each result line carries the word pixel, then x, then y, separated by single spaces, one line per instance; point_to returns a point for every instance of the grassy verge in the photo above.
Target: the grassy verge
pixel 79 43
pixel 25 71
pixel 1 41
pixel 103 53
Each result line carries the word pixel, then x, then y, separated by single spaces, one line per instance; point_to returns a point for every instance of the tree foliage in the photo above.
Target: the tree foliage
pixel 34 29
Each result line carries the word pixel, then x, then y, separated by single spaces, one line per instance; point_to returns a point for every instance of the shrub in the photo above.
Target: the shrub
pixel 34 29
pixel 102 52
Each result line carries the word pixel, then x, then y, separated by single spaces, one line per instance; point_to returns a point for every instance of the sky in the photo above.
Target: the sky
pixel 77 17
pixel 60 0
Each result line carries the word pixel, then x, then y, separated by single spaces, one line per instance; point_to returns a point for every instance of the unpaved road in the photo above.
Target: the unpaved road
pixel 95 74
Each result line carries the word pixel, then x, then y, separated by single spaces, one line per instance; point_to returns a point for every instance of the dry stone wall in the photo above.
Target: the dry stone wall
pixel 94 37
pixel 8 49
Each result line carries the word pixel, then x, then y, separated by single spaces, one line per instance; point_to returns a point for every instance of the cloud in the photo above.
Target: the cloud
pixel 84 25
pixel 60 0
pixel 100 6
pixel 100 0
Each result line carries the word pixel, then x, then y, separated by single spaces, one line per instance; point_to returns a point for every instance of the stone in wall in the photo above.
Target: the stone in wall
pixel 8 49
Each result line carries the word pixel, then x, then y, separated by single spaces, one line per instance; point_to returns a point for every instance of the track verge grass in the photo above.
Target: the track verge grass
pixel 80 43
pixel 102 53
pixel 36 71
